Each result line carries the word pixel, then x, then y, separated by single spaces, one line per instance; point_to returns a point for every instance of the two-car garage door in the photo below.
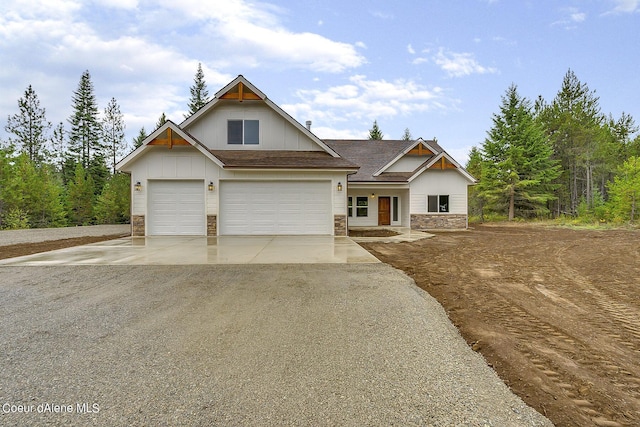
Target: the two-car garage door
pixel 275 207
pixel 245 208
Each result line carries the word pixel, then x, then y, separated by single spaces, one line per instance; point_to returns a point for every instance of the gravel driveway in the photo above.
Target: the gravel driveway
pixel 238 345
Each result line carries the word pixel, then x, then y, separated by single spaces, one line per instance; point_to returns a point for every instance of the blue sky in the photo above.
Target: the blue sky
pixel 436 67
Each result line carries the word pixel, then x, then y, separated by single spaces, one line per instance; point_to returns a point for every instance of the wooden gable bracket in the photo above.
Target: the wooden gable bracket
pixel 421 150
pixel 169 140
pixel 241 94
pixel 443 164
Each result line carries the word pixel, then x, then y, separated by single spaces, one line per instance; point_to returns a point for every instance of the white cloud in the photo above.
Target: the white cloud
pixel 411 50
pixel 572 17
pixel 460 64
pixel 119 4
pixel 245 29
pixel 625 6
pixel 357 103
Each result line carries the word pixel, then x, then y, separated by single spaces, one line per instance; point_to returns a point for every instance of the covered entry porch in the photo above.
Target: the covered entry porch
pixel 378 205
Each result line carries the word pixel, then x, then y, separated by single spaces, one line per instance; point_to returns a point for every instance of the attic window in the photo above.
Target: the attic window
pixel 243 132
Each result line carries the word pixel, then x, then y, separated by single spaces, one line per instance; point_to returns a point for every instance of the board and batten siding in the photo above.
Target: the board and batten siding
pixel 276 133
pixel 160 163
pixel 406 164
pixel 439 182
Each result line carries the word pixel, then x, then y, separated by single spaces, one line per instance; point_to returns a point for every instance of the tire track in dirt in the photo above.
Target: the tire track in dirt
pixel 555 363
pixel 556 312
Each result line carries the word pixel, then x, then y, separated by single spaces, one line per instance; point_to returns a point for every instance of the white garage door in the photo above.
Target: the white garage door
pixel 275 207
pixel 176 208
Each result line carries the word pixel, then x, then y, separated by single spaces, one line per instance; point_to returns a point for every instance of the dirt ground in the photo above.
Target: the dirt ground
pixel 556 312
pixel 22 249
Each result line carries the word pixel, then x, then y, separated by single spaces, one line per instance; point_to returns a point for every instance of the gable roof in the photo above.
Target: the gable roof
pixel 170 135
pixel 375 157
pixel 243 90
pixel 429 147
pixel 370 155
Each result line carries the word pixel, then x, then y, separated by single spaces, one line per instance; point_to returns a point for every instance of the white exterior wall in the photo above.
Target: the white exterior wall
pixel 276 133
pixel 188 163
pixel 178 163
pixel 407 164
pixel 439 182
pixel 371 220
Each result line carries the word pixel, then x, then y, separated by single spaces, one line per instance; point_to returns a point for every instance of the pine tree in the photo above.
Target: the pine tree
pixel 58 146
pixel 517 165
pixel 406 136
pixel 29 127
pixel 113 132
pixel 375 133
pixel 474 167
pixel 199 93
pixel 113 204
pixel 80 197
pixel 138 140
pixel 48 207
pixel 574 123
pixel 161 121
pixel 85 133
pixel 624 190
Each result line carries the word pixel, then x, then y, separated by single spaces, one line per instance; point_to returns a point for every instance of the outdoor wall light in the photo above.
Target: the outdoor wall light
pixel 138 186
pixel 339 186
pixel 211 187
pixel 373 195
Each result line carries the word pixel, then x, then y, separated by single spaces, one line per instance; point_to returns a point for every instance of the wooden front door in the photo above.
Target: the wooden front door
pixel 384 210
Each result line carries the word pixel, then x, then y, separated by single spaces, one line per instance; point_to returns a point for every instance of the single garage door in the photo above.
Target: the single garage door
pixel 275 207
pixel 176 208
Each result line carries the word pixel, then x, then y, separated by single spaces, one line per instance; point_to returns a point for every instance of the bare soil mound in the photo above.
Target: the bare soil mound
pixel 555 311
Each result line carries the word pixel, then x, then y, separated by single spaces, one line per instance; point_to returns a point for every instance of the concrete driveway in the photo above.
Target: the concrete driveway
pixel 205 250
pixel 238 345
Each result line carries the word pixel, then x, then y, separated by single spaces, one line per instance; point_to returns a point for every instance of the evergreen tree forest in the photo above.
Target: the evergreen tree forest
pixel 63 175
pixel 559 159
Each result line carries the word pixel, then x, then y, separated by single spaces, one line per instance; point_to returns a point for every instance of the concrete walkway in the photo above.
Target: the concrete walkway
pixel 176 250
pixel 405 235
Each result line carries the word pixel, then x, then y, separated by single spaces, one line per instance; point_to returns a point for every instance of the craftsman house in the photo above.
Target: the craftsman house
pixel 243 166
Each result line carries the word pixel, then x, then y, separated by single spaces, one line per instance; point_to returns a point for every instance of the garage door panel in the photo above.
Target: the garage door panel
pixel 278 207
pixel 176 208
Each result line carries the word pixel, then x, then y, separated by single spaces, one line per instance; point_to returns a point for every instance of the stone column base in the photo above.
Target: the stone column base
pixel 339 225
pixel 137 225
pixel 212 225
pixel 438 221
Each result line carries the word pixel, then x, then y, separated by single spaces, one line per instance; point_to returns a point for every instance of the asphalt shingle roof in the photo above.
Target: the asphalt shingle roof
pixel 372 155
pixel 266 159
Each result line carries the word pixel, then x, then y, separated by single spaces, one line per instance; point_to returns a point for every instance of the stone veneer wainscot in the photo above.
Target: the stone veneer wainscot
pixel 435 221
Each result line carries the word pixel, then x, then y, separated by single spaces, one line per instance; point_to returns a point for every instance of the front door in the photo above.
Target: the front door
pixel 384 210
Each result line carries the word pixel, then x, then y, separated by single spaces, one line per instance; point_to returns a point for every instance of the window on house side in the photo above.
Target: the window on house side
pixel 438 203
pixel 350 205
pixel 395 209
pixel 243 132
pixel 362 206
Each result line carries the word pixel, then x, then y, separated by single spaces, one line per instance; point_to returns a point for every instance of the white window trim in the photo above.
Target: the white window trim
pixel 357 207
pixel 439 203
pixel 243 131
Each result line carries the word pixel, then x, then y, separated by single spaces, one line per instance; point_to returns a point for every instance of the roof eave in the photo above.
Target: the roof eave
pixel 133 156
